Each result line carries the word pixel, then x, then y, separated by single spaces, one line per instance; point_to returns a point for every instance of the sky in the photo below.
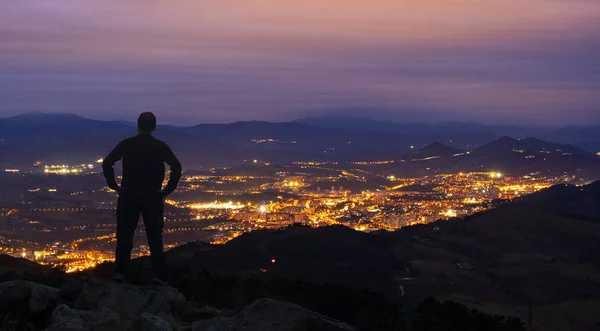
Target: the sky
pixel 191 61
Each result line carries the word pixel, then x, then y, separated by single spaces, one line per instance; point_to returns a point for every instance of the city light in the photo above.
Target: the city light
pixel 302 197
pixel 450 213
pixel 215 205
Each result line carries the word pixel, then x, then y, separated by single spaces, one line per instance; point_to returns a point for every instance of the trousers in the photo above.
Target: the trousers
pixel 150 206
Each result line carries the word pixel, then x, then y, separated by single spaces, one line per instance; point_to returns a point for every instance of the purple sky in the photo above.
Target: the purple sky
pixel 508 61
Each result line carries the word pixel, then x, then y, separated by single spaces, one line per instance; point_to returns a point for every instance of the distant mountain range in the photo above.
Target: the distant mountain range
pixel 71 138
pixel 461 134
pixel 510 156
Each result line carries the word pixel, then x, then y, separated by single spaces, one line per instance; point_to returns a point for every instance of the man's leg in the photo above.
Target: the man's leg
pixel 128 215
pixel 152 212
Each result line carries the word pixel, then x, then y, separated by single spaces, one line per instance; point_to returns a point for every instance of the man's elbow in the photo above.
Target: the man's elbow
pixel 176 169
pixel 175 166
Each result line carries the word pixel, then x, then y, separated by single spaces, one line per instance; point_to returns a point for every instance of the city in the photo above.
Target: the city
pixel 67 218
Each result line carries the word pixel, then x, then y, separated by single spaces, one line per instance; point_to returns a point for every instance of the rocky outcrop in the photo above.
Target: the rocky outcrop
pixel 271 315
pixel 26 305
pixel 95 305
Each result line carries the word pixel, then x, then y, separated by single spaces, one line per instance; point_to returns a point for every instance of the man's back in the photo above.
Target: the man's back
pixel 140 193
pixel 143 158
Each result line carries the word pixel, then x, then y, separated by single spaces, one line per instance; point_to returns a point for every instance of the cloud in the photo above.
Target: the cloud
pixel 507 61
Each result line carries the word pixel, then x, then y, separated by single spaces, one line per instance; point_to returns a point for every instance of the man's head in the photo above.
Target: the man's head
pixel 146 123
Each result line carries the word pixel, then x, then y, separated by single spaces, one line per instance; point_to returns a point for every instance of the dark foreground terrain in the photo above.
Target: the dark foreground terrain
pixel 536 259
pixel 37 298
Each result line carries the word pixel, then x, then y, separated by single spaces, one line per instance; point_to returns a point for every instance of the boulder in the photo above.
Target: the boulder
pixel 272 315
pixel 92 305
pixel 71 290
pixel 147 322
pixel 27 297
pixel 65 318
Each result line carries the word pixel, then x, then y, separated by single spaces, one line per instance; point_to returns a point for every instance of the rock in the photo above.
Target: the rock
pixel 28 297
pixel 215 324
pixel 71 290
pixel 272 315
pixel 68 319
pixel 192 313
pixel 147 322
pixel 92 305
pixel 92 291
pixel 130 301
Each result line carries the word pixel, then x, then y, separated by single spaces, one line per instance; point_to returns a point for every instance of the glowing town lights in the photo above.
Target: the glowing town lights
pixel 214 205
pixel 450 213
pixel 598 153
pixel 255 161
pixel 471 201
pixel 273 260
pixel 24 254
pixel 386 208
pixel 100 160
pixel 11 170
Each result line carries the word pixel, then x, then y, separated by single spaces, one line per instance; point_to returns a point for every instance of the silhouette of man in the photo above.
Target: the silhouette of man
pixel 143 162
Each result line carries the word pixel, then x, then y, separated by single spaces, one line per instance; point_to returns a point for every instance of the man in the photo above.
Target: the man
pixel 143 158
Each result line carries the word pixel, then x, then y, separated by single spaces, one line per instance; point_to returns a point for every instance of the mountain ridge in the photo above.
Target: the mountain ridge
pixel 77 139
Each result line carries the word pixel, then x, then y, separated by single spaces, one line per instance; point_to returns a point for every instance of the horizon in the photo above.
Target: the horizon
pixel 132 120
pixel 529 62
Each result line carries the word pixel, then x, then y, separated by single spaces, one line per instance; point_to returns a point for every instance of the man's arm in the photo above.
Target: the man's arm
pixel 107 166
pixel 175 166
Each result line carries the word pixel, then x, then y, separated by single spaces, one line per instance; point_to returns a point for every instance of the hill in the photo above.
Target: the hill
pixel 529 146
pixel 578 202
pixel 469 134
pixel 70 138
pixel 67 138
pixel 437 149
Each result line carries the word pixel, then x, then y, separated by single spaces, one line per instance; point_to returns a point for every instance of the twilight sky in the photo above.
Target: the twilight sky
pixel 493 61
